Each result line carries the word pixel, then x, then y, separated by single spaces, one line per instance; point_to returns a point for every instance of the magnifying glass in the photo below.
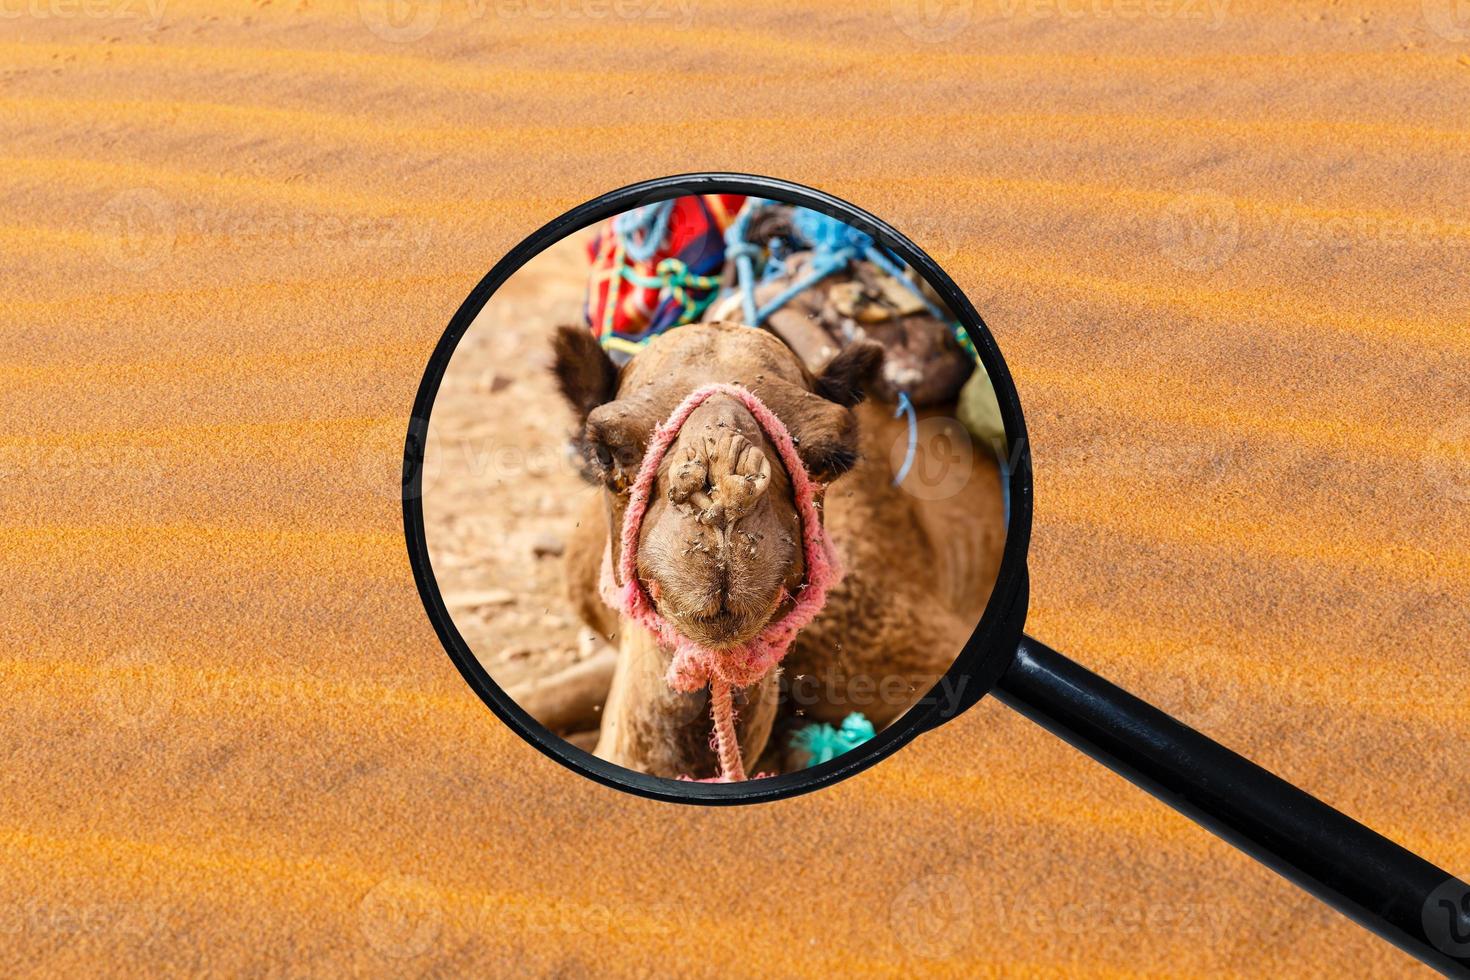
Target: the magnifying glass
pixel 717 490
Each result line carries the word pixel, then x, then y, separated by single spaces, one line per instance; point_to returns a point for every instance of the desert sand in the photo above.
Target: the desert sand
pixel 1224 249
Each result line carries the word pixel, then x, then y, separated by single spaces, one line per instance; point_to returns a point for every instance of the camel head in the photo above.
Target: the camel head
pixel 720 547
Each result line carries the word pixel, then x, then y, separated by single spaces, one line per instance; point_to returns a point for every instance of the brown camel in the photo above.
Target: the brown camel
pixel 720 544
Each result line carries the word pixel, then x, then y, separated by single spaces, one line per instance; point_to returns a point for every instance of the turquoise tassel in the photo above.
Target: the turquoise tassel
pixel 825 743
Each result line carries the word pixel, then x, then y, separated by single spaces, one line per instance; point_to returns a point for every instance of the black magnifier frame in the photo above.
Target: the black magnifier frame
pixel 974 669
pixel 1367 877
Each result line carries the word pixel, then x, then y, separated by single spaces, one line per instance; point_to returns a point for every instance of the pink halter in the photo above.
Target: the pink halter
pixel 694 665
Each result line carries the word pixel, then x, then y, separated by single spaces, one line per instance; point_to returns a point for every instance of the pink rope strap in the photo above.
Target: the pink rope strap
pixel 693 665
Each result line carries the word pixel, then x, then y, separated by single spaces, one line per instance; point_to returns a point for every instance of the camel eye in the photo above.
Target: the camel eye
pixel 608 469
pixel 613 441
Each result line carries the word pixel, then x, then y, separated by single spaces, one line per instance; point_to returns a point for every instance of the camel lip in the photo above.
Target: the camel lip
pixel 725 629
pixel 720 630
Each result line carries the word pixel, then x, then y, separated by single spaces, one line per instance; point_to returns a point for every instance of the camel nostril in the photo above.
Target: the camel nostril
pixel 742 475
pixel 720 477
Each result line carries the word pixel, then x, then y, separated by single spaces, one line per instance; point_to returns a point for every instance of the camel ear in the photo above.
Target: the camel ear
pixel 584 373
pixel 830 447
pixel 845 378
pixel 826 433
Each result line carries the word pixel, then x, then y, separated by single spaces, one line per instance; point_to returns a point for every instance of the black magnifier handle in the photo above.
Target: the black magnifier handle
pixel 1362 874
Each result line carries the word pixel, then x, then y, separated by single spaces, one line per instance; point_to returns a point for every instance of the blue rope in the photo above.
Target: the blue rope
pixel 744 253
pixel 835 245
pixel 823 265
pixel 881 258
pixel 906 407
pixel 652 220
pixel 830 234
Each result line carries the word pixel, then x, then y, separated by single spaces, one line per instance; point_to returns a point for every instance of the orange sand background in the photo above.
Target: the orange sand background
pixel 1226 256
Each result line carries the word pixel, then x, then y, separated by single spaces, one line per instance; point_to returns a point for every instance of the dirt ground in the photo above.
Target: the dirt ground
pixel 502 497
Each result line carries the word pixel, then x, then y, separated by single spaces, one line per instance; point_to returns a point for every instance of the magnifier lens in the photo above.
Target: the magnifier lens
pixel 712 489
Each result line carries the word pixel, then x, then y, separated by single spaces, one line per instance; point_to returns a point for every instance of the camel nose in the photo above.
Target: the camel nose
pixel 719 474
